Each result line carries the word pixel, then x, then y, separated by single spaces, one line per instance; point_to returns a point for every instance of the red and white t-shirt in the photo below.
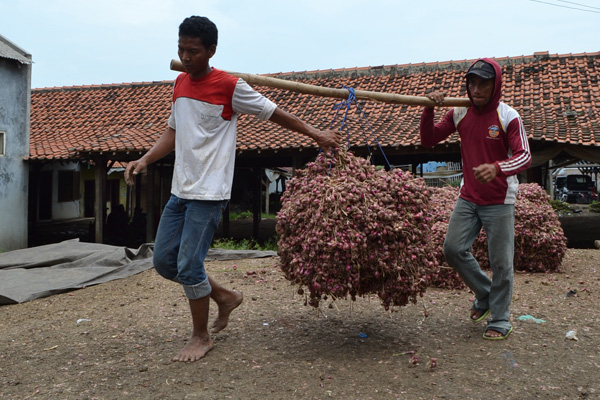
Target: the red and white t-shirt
pixel 204 117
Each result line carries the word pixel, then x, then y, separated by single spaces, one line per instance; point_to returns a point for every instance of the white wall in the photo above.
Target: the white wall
pixel 65 209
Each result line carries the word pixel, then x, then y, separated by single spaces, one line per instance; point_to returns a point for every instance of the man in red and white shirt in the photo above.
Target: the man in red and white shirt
pixel 494 149
pixel 202 131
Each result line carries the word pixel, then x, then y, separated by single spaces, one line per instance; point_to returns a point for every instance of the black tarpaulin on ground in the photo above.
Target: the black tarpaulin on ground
pixel 42 271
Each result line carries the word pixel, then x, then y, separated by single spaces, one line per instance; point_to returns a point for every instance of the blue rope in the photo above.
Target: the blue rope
pixel 362 113
pixel 346 104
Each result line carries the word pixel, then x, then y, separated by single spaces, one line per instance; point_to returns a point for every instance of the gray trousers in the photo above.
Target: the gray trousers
pixel 499 224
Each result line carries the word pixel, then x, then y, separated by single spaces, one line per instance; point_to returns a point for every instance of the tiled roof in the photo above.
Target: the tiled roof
pixel 68 121
pixel 558 97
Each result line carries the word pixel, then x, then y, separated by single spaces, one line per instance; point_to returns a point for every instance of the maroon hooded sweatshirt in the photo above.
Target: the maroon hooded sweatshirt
pixel 493 135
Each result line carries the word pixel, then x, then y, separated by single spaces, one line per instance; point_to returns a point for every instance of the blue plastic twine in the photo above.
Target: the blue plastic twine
pixel 346 104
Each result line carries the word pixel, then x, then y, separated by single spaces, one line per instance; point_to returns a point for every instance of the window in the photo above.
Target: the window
pixel 68 186
pixel 2 142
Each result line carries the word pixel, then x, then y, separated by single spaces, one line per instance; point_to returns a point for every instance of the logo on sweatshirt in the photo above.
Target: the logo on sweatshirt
pixel 493 131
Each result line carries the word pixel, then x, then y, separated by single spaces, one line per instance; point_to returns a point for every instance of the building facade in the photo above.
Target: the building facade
pixel 15 105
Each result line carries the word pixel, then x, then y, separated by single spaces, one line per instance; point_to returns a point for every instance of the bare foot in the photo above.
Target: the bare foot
pixel 225 308
pixel 195 349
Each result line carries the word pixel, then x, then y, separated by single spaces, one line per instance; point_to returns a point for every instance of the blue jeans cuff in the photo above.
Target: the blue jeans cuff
pixel 197 291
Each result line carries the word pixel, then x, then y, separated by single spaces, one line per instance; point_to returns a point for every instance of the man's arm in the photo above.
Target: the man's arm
pixel 325 139
pixel 430 132
pixel 164 145
pixel 519 146
pixel 518 162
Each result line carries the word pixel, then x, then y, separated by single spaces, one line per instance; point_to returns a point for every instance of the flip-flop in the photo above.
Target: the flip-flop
pixel 504 331
pixel 483 314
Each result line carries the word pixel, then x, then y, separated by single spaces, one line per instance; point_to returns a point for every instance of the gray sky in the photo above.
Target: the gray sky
pixel 81 42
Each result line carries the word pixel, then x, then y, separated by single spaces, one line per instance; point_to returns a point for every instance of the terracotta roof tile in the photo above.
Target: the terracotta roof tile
pixel 558 97
pixel 72 120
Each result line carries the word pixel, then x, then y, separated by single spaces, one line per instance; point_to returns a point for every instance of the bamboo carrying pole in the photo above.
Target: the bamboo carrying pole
pixel 337 93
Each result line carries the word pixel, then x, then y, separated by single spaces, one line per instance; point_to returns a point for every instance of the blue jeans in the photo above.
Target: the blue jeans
pixel 499 224
pixel 185 232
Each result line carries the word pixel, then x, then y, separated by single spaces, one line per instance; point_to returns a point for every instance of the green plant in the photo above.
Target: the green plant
pixel 560 206
pixel 268 216
pixel 270 244
pixel 248 215
pixel 595 206
pixel 232 244
pixel 454 182
pixel 245 244
pixel 240 215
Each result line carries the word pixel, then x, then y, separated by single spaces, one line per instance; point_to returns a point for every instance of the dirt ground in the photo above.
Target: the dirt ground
pixel 116 340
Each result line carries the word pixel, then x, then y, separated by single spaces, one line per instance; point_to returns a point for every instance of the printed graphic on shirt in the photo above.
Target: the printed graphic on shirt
pixel 493 132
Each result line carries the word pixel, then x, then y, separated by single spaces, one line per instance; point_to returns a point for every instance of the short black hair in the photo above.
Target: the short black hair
pixel 200 27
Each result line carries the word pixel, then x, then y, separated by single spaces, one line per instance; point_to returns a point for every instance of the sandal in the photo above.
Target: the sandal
pixel 503 331
pixel 482 314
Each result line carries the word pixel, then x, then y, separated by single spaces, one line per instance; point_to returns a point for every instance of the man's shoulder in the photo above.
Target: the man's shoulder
pixel 215 77
pixel 220 75
pixel 504 106
pixel 458 113
pixel 507 113
pixel 215 88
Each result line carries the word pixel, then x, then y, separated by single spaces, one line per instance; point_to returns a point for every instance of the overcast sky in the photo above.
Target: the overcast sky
pixel 81 42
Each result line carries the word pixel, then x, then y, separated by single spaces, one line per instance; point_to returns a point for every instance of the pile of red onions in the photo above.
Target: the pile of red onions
pixel 347 228
pixel 540 243
pixel 442 203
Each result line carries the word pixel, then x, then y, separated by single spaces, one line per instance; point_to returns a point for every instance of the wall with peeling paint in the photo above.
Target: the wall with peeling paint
pixel 15 104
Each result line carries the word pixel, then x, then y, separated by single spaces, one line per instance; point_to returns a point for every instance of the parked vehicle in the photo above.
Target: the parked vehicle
pixel 559 184
pixel 578 189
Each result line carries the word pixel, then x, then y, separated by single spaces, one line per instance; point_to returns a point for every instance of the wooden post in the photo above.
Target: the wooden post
pixel 150 214
pixel 225 221
pixel 267 183
pixel 296 164
pixel 257 208
pixel 34 201
pixel 100 199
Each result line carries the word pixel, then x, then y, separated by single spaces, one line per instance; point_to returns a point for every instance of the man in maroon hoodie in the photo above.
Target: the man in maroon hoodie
pixel 494 149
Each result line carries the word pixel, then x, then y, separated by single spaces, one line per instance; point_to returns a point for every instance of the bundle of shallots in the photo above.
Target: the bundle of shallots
pixel 347 228
pixel 540 243
pixel 442 202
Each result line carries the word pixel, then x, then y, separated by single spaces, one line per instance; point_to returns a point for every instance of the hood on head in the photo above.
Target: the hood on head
pixel 485 71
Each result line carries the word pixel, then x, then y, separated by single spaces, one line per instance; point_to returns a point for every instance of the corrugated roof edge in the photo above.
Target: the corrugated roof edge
pixel 10 50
